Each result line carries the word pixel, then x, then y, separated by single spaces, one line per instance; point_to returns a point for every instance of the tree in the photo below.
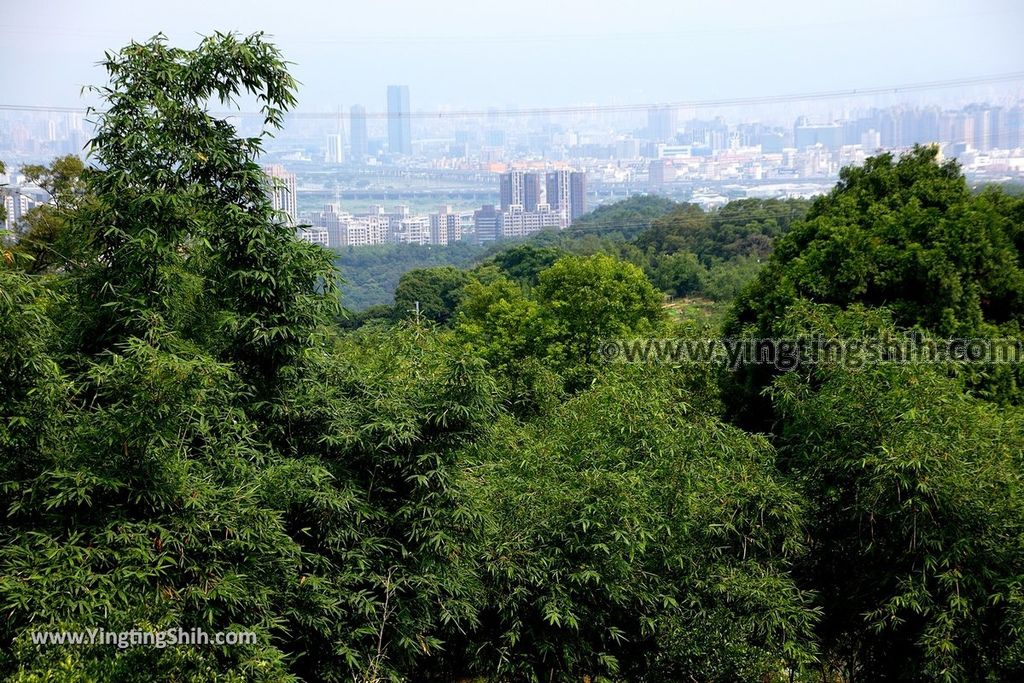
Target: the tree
pixel 917 507
pixel 629 536
pixel 680 274
pixel 432 292
pixel 673 232
pixel 587 300
pixel 524 262
pixel 191 243
pixel 499 323
pixel 746 228
pixel 906 234
pixel 45 239
pixel 133 470
pixel 623 219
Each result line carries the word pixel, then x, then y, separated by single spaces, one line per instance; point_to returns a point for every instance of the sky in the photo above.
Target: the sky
pixel 530 53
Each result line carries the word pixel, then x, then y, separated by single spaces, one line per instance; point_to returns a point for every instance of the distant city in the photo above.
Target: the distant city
pixel 356 178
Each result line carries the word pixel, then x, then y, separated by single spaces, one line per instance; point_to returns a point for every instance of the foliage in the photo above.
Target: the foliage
pixel 192 433
pixel 436 292
pixel 372 273
pixel 587 300
pixel 745 227
pixel 906 234
pixel 628 536
pixel 919 489
pixel 45 242
pixel 524 262
pixel 625 218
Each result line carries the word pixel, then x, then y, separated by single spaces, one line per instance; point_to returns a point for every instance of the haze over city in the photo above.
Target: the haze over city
pixel 536 52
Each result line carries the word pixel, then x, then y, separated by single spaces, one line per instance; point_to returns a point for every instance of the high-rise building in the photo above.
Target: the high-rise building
pixel 533 191
pixel 558 193
pixel 567 194
pixel 282 191
pixel 661 171
pixel 1015 128
pixel 511 186
pixel 577 194
pixel 413 230
pixel 357 133
pixel 16 206
pixel 518 223
pixel 445 226
pixel 399 124
pixel 662 122
pixel 333 155
pixel 829 136
pixel 486 221
pixel 314 235
pixel 871 140
pixel 982 128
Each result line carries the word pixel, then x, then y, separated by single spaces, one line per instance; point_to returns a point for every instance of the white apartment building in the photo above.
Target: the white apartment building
pixel 516 223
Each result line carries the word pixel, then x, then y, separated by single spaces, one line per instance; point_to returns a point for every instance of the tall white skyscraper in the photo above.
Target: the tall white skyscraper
pixel 334 153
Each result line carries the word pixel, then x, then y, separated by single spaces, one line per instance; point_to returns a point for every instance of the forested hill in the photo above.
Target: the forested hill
pixel 683 250
pixel 744 228
pixel 193 435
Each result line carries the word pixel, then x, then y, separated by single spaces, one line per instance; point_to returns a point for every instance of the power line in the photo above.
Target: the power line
pixel 605 108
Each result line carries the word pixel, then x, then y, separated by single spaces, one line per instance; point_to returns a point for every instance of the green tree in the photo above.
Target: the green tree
pixel 673 232
pixel 745 228
pixel 434 292
pixel 906 234
pixel 587 300
pixel 191 243
pixel 680 274
pixel 499 323
pixel 524 262
pixel 629 536
pixel 917 511
pixel 625 219
pixel 44 238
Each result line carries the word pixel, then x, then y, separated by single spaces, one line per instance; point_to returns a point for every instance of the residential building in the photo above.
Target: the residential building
pixel 577 195
pixel 282 191
pixel 518 223
pixel 662 123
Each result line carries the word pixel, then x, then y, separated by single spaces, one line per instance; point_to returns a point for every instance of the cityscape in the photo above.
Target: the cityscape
pixel 357 178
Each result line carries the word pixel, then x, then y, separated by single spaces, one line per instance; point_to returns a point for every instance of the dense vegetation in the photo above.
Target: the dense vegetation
pixel 194 434
pixel 372 273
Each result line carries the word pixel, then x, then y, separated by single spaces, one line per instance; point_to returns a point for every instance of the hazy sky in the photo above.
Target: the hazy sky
pixel 535 52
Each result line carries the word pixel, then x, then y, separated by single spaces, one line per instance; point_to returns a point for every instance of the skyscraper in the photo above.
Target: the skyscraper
pixel 357 128
pixel 662 123
pixel 399 125
pixel 485 223
pixel 533 191
pixel 567 194
pixel 558 194
pixel 511 185
pixel 282 191
pixel 333 155
pixel 577 194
